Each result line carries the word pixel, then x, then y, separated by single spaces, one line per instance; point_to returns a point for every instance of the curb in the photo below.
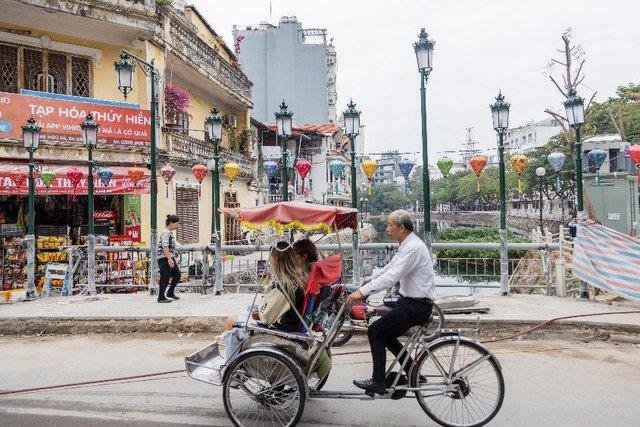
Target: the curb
pixel 214 324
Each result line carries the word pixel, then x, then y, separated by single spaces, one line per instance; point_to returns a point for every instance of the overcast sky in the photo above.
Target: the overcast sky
pixel 482 46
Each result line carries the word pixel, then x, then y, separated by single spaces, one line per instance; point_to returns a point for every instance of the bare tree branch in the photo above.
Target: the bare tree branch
pixel 563 122
pixel 558 86
pixel 578 74
pixel 558 62
pixel 576 84
pixel 589 103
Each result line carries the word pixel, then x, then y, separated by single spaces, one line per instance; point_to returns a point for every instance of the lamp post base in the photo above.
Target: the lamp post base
pixel 91 264
pixel 30 242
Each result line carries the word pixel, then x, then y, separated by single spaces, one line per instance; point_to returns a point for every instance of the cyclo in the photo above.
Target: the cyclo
pixel 456 381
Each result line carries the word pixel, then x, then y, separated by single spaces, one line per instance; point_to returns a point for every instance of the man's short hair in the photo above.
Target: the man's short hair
pixel 403 218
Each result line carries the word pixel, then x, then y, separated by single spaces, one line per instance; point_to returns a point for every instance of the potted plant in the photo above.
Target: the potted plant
pixel 176 102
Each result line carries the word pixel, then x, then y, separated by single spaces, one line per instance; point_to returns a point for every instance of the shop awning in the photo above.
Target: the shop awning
pixel 121 183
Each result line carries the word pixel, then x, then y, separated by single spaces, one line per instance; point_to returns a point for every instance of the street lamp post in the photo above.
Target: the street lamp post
pixel 284 129
pixel 213 130
pixel 124 69
pixel 90 137
pixel 352 129
pixel 574 107
pixel 424 56
pixel 541 172
pixel 500 115
pixel 31 141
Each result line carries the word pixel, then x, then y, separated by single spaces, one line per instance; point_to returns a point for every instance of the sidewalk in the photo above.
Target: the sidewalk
pixel 202 313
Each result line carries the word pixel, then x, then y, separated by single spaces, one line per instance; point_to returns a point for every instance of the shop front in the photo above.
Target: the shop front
pixel 61 222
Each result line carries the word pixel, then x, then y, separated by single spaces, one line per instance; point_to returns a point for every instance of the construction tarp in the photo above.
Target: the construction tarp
pixel 607 259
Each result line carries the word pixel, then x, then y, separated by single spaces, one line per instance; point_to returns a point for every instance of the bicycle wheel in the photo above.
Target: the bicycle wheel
pixel 263 388
pixel 476 374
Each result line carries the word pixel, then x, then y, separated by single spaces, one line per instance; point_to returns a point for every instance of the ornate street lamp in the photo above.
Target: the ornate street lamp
pixel 213 130
pixel 500 115
pixel 90 137
pixel 540 173
pixel 424 57
pixel 31 141
pixel 124 70
pixel 284 126
pixel 352 129
pixel 574 107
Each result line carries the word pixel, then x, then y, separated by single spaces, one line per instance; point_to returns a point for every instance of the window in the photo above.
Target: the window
pixel 232 230
pixel 183 123
pixel 187 211
pixel 42 70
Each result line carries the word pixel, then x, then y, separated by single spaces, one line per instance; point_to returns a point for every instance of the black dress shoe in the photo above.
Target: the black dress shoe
pixel 164 301
pixel 371 386
pixel 172 296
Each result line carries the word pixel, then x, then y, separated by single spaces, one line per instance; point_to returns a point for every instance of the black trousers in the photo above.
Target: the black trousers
pixel 168 277
pixel 384 332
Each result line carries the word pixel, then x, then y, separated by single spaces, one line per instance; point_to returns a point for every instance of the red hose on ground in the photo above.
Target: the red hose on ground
pixel 156 374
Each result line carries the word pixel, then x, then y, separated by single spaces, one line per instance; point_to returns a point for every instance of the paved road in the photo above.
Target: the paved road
pixel 548 383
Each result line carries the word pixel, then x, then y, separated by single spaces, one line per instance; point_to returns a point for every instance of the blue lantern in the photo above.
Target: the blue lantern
pixel 597 157
pixel 557 159
pixel 271 168
pixel 105 175
pixel 337 168
pixel 406 166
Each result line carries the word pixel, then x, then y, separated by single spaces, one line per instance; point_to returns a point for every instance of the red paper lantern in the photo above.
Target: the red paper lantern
pixel 477 165
pixel 19 177
pixel 303 166
pixel 200 172
pixel 75 175
pixel 135 175
pixel 634 153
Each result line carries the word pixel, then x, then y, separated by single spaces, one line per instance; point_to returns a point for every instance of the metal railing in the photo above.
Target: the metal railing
pixel 245 271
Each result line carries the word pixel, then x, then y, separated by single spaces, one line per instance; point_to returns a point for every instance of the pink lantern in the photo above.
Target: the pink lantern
pixel 634 153
pixel 303 166
pixel 200 172
pixel 167 173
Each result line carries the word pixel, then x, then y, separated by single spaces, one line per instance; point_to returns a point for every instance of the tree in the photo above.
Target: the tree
pixel 619 114
pixel 387 198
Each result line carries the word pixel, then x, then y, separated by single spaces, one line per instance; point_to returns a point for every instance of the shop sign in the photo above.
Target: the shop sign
pixel 60 119
pixel 613 216
pixel 10 229
pixel 120 183
pixel 132 217
pixel 105 215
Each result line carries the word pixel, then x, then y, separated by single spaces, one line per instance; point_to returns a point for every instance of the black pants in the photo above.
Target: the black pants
pixel 384 332
pixel 167 274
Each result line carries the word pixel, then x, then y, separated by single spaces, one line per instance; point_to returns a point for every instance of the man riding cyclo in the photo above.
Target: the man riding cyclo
pixel 413 268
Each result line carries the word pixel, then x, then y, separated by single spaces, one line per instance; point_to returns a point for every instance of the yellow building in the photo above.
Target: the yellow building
pixel 69 47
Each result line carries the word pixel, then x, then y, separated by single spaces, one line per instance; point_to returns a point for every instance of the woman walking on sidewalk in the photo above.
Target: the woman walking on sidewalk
pixel 169 271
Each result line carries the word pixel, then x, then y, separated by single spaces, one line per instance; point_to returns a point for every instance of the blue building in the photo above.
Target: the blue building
pixel 291 63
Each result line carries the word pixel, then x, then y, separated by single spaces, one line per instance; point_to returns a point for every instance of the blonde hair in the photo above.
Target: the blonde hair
pixel 288 269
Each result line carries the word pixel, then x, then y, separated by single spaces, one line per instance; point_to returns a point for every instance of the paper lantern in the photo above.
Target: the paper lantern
pixel 634 153
pixel 167 173
pixel 406 166
pixel 231 170
pixel 105 175
pixel 199 171
pixel 303 166
pixel 477 164
pixel 135 175
pixel 369 166
pixel 75 175
pixel 445 164
pixel 47 176
pixel 337 168
pixel 556 160
pixel 597 156
pixel 518 162
pixel 271 169
pixel 19 177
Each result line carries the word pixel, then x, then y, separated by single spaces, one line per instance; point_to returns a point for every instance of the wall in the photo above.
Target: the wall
pixel 281 66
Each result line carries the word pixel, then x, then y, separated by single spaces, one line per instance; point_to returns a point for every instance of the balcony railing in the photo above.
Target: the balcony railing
pixel 195 49
pixel 198 150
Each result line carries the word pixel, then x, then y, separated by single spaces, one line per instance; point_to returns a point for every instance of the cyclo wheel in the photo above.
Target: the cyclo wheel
pixel 263 388
pixel 342 338
pixel 479 379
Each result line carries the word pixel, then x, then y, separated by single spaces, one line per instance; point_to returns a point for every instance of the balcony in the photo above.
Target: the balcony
pixel 70 17
pixel 195 52
pixel 189 150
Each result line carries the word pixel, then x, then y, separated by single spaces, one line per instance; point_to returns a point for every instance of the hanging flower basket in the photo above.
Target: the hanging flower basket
pixel 176 101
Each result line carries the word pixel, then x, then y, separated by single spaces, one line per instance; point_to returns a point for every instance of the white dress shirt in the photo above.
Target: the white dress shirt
pixel 411 266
